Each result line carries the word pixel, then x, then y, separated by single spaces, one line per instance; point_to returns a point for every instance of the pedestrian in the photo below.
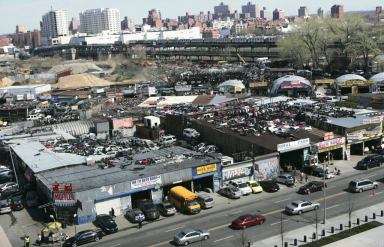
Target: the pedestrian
pixel 112 213
pixel 39 240
pixel 140 223
pixel 301 177
pixel 26 241
pixel 306 178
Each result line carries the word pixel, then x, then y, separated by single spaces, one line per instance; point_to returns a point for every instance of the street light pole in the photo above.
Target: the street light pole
pixel 324 195
pixel 74 217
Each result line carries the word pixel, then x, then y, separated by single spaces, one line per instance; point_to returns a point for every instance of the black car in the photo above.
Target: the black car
pixel 9 191
pixel 269 186
pixel 149 209
pixel 17 203
pixel 370 161
pixel 106 223
pixel 311 187
pixel 84 237
pixel 135 215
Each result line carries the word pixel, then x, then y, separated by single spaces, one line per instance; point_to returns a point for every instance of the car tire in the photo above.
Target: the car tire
pixel 262 222
pixel 360 190
pixel 186 243
pixel 375 187
pixel 96 239
pixel 74 245
pixel 206 237
pixel 299 212
pixel 317 207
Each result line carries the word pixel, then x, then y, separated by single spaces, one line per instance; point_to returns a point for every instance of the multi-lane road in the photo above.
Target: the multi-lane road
pixel 217 220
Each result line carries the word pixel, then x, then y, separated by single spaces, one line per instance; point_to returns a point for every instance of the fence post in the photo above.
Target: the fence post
pixel 295 242
pixel 305 239
pixel 285 244
pixel 349 224
pixel 332 229
pixel 374 216
pixel 382 213
pixel 323 232
pixel 366 218
pixel 341 227
pixel 314 235
pixel 357 221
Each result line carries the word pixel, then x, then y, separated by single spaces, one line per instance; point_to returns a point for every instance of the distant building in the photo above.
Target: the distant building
pixel 320 12
pixel 21 29
pixel 303 12
pixel 337 11
pixel 222 24
pixel 222 10
pixel 93 21
pixel 278 14
pixel 127 24
pixel 251 9
pixel 265 14
pixel 154 19
pixel 54 24
pixel 74 25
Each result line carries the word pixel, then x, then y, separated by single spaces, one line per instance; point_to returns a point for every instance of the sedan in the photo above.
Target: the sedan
pixel 270 186
pixel 135 215
pixel 83 237
pixel 230 192
pixel 188 236
pixel 299 207
pixel 166 208
pixel 311 187
pixel 247 220
pixel 106 223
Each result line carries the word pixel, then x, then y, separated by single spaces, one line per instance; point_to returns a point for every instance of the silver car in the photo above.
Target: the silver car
pixel 361 185
pixel 231 192
pixel 299 207
pixel 190 235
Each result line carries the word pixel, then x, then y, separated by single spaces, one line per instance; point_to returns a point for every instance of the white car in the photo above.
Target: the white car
pixel 167 140
pixel 190 133
pixel 243 187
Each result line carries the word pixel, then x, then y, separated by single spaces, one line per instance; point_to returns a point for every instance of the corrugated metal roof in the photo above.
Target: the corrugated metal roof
pixel 76 128
pixel 39 159
pixel 378 77
pixel 349 77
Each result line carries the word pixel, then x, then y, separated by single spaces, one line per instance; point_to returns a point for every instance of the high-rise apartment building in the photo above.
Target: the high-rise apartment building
pixel 278 14
pixel 21 29
pixel 154 18
pixel 93 21
pixel 337 11
pixel 127 24
pixel 251 9
pixel 54 24
pixel 74 25
pixel 303 12
pixel 222 10
pixel 265 14
pixel 320 12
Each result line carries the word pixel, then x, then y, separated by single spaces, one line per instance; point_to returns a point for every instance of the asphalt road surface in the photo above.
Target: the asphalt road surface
pixel 338 201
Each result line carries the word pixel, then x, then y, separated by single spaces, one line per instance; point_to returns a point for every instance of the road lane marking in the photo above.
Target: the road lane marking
pixel 115 245
pixel 159 244
pixel 279 222
pixel 221 239
pixel 283 200
pixel 236 212
pixel 333 206
pixel 174 229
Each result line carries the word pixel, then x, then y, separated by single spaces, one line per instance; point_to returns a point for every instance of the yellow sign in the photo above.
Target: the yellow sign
pixel 206 169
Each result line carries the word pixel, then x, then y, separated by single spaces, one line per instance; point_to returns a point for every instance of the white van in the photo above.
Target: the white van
pixel 167 140
pixel 34 117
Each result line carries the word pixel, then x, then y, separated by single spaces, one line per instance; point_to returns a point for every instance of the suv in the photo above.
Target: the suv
pixel 286 179
pixel 205 201
pixel 361 185
pixel 243 187
pixel 370 161
pixel 149 209
pixel 166 208
pixel 299 207
pixel 168 140
pixel 190 133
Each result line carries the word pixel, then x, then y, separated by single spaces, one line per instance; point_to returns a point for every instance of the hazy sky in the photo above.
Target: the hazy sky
pixel 29 12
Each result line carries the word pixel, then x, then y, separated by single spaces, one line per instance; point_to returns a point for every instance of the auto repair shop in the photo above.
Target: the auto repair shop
pixel 295 153
pixel 241 171
pixel 331 149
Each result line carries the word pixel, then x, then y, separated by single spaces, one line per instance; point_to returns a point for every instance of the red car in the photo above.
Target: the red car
pixel 247 220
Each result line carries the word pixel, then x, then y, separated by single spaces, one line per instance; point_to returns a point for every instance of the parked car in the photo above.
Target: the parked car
pixel 230 192
pixel 135 215
pixel 190 235
pixel 8 185
pixel 255 186
pixel 210 149
pixel 149 209
pixel 17 202
pixel 311 187
pixel 270 186
pixel 243 187
pixel 286 179
pixel 190 133
pixel 299 207
pixel 5 207
pixel 9 189
pixel 166 208
pixel 248 220
pixel 205 201
pixel 167 140
pixel 370 161
pixel 362 185
pixel 319 172
pixel 200 147
pixel 105 223
pixel 84 237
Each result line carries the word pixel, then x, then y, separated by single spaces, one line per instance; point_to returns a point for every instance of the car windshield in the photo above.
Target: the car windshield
pixel 208 199
pixel 242 185
pixel 181 234
pixel 168 206
pixel 234 189
pixel 192 203
pixel 148 206
pixel 254 185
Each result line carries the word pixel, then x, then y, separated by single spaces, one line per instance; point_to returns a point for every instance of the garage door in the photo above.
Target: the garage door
pixel 105 206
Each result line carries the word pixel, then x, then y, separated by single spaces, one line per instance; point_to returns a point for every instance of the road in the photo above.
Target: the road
pixel 338 201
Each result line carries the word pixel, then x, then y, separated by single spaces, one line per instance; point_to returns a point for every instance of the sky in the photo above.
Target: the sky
pixel 29 12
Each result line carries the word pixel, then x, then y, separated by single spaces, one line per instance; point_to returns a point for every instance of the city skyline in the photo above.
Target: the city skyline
pixel 38 8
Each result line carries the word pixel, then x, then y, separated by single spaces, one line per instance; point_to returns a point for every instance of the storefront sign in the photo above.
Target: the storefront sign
pixel 364 134
pixel 62 187
pixel 145 182
pixel 373 120
pixel 64 199
pixel 238 172
pixel 206 169
pixel 330 143
pixel 302 143
pixel 328 135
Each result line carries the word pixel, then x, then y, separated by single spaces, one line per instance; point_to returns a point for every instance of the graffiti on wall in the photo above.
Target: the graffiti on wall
pixel 267 169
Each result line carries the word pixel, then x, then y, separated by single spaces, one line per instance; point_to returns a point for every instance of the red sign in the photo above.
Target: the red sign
pixel 328 135
pixel 379 9
pixel 63 197
pixel 66 187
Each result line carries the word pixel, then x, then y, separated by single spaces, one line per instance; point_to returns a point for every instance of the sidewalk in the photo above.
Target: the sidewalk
pixel 366 237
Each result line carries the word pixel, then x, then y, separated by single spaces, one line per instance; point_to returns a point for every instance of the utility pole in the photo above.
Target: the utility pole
pixel 281 229
pixel 324 194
